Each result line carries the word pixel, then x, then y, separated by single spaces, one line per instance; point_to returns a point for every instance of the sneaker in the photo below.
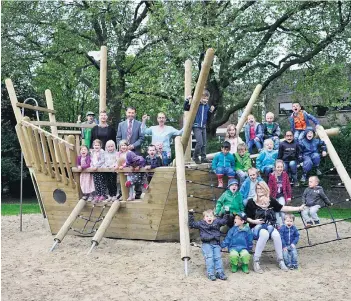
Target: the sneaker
pixel 85 197
pixel 119 196
pixel 303 178
pixel 295 267
pixel 204 160
pixel 128 184
pixel 197 161
pixel 282 266
pixel 96 199
pixel 296 184
pixel 90 198
pixel 221 276
pixel 146 186
pixel 291 267
pixel 317 222
pixel 318 172
pixel 114 198
pixel 309 224
pixel 212 277
pixel 257 267
pixel 102 198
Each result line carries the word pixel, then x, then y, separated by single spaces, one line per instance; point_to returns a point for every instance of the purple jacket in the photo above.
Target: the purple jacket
pixel 87 162
pixel 134 160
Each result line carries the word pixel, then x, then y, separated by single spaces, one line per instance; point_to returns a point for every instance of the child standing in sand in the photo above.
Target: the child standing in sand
pixel 210 237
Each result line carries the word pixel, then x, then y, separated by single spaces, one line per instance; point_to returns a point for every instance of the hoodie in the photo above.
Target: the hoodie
pixel 314 196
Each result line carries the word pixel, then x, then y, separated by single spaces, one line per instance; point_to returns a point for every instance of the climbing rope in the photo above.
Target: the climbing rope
pixel 88 220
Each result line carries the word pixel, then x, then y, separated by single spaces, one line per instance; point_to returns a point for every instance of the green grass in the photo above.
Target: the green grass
pixel 336 212
pixel 14 209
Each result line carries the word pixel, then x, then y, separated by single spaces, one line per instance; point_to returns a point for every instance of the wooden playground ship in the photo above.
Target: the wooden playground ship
pixel 162 213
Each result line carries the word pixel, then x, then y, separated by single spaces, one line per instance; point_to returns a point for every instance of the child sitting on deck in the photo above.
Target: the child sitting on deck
pixel 247 189
pixel 242 162
pixel 223 164
pixel 239 241
pixel 86 178
pixel 232 138
pixel 253 134
pixel 271 130
pixel 210 237
pixel 266 158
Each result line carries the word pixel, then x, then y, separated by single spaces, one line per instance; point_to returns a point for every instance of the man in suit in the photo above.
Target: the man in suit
pixel 130 130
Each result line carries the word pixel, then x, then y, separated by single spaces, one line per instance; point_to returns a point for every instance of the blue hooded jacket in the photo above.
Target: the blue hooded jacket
pixel 289 235
pixel 221 160
pixel 202 114
pixel 258 131
pixel 307 117
pixel 308 147
pixel 245 187
pixel 238 239
pixel 266 158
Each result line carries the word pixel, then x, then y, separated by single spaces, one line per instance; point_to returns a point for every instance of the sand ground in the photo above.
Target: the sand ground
pixel 141 270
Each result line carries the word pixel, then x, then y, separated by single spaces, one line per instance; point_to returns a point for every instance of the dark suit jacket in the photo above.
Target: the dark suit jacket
pixel 137 137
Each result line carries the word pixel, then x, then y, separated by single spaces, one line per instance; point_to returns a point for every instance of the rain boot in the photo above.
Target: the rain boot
pixel 245 268
pixel 220 181
pixel 234 268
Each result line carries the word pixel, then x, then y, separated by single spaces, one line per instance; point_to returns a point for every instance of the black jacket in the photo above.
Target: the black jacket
pixel 289 151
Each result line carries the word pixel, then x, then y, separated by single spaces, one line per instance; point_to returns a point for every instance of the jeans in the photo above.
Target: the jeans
pixel 309 161
pixel 165 159
pixel 299 134
pixel 280 215
pixel 310 211
pixel 235 257
pixel 292 166
pixel 252 143
pixel 242 175
pixel 200 147
pixel 290 256
pixel 227 171
pixel 267 170
pixel 213 259
pixel 276 142
pixel 256 230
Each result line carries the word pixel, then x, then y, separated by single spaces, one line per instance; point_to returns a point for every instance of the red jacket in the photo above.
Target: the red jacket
pixel 272 184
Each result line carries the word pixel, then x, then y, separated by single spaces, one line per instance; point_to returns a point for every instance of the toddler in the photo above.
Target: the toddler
pixel 299 121
pixel 247 189
pixel 253 134
pixel 231 199
pixel 242 162
pixel 290 237
pixel 280 188
pixel 266 158
pixel 165 157
pixel 199 127
pixel 232 138
pixel 97 161
pixel 271 130
pixel 152 161
pixel 239 243
pixel 86 178
pixel 210 237
pixel 312 197
pixel 223 163
pixel 110 159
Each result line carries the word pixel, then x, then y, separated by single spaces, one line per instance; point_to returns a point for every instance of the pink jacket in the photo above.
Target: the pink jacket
pixel 272 184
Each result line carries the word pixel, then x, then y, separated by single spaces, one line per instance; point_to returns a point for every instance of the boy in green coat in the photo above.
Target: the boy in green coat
pixel 242 162
pixel 231 198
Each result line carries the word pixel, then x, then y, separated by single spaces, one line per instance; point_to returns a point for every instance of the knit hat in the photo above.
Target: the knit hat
pixel 242 215
pixel 89 113
pixel 232 181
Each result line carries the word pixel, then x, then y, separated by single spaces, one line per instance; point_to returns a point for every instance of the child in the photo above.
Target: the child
pixel 280 188
pixel 110 159
pixel 86 178
pixel 136 162
pixel 230 198
pixel 247 189
pixel 152 161
pixel 121 159
pixel 210 237
pixel 242 162
pixel 309 151
pixel 311 197
pixel 299 120
pixel 166 158
pixel 223 163
pixel 290 237
pixel 266 158
pixel 86 132
pixel 232 138
pixel 97 161
pixel 199 127
pixel 253 134
pixel 239 243
pixel 289 152
pixel 271 130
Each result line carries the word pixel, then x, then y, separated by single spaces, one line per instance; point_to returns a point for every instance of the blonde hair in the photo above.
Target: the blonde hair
pixel 253 169
pixel 97 141
pixel 84 146
pixel 228 129
pixel 270 114
pixel 278 161
pixel 123 142
pixel 264 186
pixel 265 143
pixel 209 211
pixel 289 215
pixel 242 146
pixel 264 199
pixel 314 177
pixel 251 116
pixel 110 142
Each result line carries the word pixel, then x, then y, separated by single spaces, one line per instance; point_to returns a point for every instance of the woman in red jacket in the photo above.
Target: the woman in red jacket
pixel 279 185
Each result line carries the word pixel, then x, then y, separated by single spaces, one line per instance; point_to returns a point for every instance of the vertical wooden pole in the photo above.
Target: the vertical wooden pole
pixel 182 201
pixel 122 183
pixel 52 117
pixel 103 73
pixel 334 157
pixel 205 70
pixel 248 108
pixel 187 92
pixel 13 98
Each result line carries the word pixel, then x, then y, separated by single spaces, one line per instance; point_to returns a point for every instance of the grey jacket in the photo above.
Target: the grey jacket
pixel 137 137
pixel 314 196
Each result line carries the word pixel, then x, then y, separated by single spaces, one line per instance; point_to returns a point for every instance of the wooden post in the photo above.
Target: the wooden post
pixel 47 154
pixel 334 157
pixel 13 98
pixel 103 73
pixel 52 117
pixel 187 92
pixel 205 70
pixel 53 158
pixel 106 222
pixel 248 108
pixel 182 202
pixel 122 183
pixel 70 220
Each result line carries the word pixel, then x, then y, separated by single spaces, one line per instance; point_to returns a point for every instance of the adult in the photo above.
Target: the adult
pixel 260 212
pixel 103 131
pixel 161 133
pixel 86 132
pixel 130 130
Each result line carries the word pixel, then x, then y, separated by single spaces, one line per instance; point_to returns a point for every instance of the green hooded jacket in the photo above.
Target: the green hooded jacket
pixel 243 163
pixel 233 200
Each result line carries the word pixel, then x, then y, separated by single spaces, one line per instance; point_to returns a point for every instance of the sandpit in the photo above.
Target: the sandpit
pixel 141 270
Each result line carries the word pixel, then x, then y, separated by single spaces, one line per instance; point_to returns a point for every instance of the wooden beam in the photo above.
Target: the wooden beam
pixel 63 124
pixel 60 161
pixel 187 92
pixel 103 77
pixel 35 108
pixel 39 151
pixel 67 164
pixel 54 159
pixel 52 117
pixel 205 69
pixel 105 169
pixel 13 98
pixel 124 189
pixel 47 154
